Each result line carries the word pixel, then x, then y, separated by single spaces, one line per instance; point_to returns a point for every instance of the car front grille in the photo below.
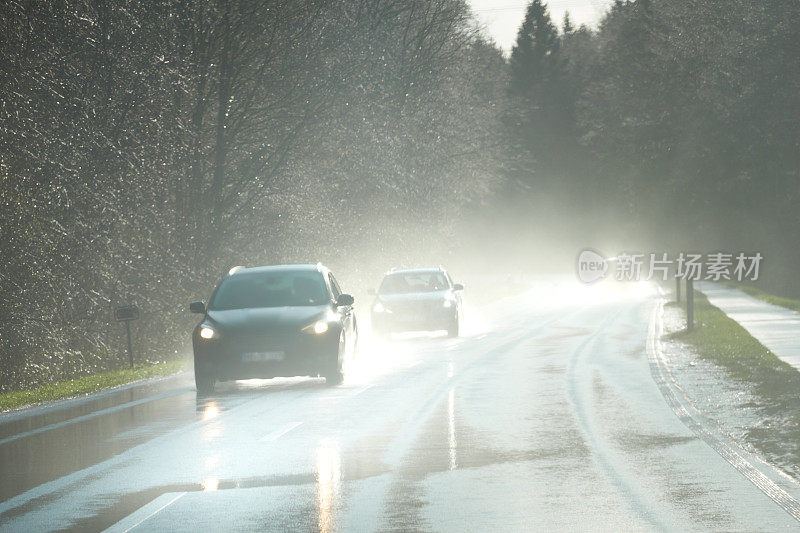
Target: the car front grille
pixel 260 343
pixel 416 308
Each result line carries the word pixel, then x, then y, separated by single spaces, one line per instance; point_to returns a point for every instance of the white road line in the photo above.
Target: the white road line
pixel 278 433
pixel 95 414
pixel 150 448
pixel 359 391
pixel 71 403
pixel 142 514
pixel 412 365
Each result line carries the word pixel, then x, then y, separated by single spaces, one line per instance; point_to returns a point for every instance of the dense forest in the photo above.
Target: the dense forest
pixel 674 126
pixel 147 146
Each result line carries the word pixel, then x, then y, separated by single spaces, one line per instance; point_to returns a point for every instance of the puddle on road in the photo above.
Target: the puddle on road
pixel 124 505
pixel 30 461
pixel 661 465
pixel 332 469
pixel 642 441
pixel 36 459
pixel 35 417
pixel 447 443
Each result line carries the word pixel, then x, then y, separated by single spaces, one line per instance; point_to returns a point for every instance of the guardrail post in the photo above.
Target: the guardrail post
pixel 689 304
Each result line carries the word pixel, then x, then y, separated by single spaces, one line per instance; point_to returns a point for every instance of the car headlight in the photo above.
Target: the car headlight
pixel 321 326
pixel 448 303
pixel 379 308
pixel 207 333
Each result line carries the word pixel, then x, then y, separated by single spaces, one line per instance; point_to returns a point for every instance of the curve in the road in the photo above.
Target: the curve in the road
pixel 691 417
pixel 581 403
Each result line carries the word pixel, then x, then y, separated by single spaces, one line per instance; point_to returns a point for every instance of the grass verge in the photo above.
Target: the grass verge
pixel 722 340
pixel 87 384
pixel 788 303
pixel 774 411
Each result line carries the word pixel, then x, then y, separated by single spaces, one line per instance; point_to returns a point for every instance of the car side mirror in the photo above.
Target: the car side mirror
pixel 197 307
pixel 372 292
pixel 345 299
pixel 458 287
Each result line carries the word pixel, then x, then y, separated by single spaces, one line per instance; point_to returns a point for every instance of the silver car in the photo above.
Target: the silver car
pixel 420 299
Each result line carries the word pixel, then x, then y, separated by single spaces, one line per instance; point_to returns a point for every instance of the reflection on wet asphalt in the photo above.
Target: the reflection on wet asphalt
pixel 543 416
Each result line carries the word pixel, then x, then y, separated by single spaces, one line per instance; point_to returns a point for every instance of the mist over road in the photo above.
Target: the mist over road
pixel 543 415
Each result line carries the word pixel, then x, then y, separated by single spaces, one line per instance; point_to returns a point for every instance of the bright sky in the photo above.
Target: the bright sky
pixel 503 17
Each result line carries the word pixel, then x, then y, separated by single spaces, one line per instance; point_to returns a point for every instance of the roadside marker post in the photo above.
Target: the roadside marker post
pixel 127 314
pixel 689 304
pixel 677 289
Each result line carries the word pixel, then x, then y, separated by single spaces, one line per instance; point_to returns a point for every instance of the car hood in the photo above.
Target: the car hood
pixel 262 320
pixel 434 296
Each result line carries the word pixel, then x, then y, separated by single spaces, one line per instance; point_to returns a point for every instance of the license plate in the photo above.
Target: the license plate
pixel 260 357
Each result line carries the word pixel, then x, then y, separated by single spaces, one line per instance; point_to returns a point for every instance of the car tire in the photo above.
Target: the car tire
pixel 334 375
pixel 334 378
pixel 204 383
pixel 355 341
pixel 453 327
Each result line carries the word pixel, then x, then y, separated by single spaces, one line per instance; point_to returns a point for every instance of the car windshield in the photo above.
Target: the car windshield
pixel 407 282
pixel 270 289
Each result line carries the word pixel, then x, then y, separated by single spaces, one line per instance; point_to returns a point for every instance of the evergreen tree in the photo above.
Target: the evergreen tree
pixel 566 25
pixel 539 81
pixel 534 56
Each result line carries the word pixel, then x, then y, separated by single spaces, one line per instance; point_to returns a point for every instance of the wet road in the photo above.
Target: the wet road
pixel 548 414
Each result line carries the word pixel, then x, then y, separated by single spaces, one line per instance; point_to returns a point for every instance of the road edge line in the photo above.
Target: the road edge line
pixel 123 525
pixel 681 405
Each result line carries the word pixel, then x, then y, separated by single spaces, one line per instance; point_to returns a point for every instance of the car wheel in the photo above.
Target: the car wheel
pixel 334 378
pixel 204 383
pixel 453 327
pixel 355 341
pixel 334 375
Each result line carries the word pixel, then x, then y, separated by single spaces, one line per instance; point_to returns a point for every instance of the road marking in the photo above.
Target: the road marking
pixel 71 403
pixel 151 509
pixel 359 391
pixel 150 448
pixel 278 433
pixel 412 365
pixel 94 414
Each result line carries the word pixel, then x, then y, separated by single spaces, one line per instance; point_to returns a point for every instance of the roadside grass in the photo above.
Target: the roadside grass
pixel 788 303
pixel 773 382
pixel 84 385
pixel 718 338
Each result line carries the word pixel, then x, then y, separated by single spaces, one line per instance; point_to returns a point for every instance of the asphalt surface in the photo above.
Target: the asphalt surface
pixel 551 412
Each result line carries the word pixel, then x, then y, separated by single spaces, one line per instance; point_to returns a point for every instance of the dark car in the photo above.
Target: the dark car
pixel 423 299
pixel 263 322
